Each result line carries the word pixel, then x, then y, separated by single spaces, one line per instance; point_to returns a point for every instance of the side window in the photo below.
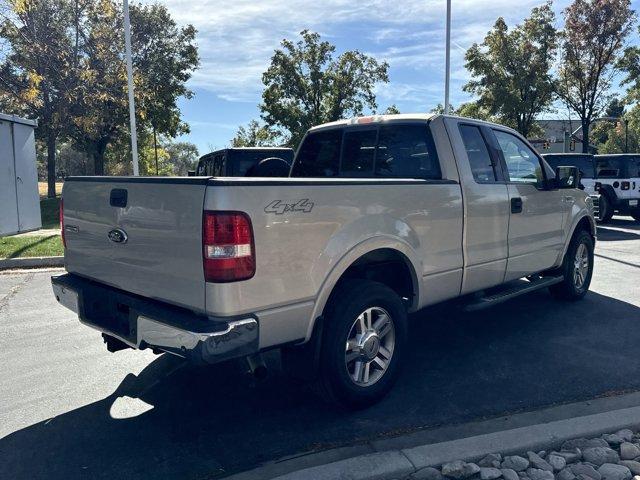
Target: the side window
pixel 482 167
pixel 523 166
pixel 358 151
pixel 406 151
pixel 319 155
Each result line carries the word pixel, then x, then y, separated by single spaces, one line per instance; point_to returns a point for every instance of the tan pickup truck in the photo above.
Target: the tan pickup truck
pixel 380 216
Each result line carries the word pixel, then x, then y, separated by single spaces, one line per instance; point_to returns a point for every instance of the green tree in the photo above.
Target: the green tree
pixel 183 156
pixel 255 134
pixel 38 75
pixel 305 85
pixel 593 36
pixel 164 57
pixel 511 69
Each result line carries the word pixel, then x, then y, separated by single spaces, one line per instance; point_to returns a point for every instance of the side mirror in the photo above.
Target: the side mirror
pixel 567 177
pixel 191 173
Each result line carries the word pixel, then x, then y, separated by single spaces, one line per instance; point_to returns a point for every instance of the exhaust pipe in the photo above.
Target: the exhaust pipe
pixel 257 366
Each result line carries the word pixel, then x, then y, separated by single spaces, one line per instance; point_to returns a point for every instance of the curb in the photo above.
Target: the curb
pixel 31 262
pixel 400 463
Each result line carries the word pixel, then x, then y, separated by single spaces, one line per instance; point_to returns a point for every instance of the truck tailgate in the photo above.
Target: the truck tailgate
pixel 156 249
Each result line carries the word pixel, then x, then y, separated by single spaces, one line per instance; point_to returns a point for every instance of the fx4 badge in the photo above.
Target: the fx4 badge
pixel 279 207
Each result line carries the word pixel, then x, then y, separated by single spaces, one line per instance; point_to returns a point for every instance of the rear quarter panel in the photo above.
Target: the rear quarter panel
pixel 297 250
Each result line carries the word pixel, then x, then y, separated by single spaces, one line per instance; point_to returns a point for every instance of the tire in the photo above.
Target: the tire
pixel 576 283
pixel 605 210
pixel 350 320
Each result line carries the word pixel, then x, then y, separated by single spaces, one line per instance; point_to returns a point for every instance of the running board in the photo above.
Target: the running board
pixel 509 292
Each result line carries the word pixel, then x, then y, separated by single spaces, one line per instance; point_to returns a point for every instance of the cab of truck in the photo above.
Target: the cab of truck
pixel 239 162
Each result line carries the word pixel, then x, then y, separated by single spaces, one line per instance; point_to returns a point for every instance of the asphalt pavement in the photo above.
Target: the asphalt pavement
pixel 69 409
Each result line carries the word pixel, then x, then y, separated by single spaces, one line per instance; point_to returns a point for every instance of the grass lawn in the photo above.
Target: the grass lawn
pixel 31 246
pixel 42 189
pixel 50 212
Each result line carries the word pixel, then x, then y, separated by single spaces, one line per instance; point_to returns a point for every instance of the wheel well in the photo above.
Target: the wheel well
pixel 584 224
pixel 386 266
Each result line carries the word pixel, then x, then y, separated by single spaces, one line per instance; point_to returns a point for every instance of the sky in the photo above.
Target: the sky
pixel 236 40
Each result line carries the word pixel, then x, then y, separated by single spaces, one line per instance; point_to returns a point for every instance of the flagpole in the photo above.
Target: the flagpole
pixel 132 106
pixel 447 59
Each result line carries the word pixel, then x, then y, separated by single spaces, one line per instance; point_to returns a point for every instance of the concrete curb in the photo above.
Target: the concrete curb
pixel 398 464
pixel 31 262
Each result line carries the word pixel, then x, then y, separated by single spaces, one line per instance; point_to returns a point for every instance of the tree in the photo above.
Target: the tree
pixel 593 36
pixel 305 85
pixel 163 58
pixel 255 135
pixel 183 156
pixel 511 69
pixel 38 75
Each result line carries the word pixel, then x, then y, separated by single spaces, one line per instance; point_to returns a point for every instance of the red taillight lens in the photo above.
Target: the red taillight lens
pixel 64 241
pixel 227 247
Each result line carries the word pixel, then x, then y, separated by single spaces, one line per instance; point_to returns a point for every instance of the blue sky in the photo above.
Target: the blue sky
pixel 236 40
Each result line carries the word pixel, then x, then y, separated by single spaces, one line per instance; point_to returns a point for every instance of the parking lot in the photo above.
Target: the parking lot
pixel 69 409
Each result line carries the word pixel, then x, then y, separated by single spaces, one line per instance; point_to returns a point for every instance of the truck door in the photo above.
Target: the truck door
pixel 536 212
pixel 486 206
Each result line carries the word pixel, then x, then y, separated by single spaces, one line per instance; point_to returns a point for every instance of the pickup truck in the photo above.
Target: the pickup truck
pixel 380 216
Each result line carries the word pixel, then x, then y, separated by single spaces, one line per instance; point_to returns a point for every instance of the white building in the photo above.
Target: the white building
pixel 553 138
pixel 19 198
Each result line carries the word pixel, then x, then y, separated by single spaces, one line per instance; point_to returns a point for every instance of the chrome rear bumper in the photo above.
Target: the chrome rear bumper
pixel 142 323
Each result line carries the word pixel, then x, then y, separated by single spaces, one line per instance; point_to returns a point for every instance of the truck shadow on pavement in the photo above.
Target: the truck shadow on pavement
pixel 209 422
pixel 613 234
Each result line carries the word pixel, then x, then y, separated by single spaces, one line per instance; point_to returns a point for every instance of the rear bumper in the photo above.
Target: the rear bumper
pixel 140 322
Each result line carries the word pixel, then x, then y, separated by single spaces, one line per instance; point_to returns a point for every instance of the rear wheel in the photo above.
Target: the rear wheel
pixel 363 343
pixel 577 268
pixel 605 210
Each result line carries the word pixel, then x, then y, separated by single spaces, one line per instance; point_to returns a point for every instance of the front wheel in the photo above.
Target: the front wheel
pixel 364 339
pixel 577 268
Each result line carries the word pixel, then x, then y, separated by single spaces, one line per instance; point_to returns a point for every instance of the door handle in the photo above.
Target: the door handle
pixel 516 205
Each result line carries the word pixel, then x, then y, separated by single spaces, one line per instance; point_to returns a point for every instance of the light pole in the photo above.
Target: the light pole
pixel 447 61
pixel 132 105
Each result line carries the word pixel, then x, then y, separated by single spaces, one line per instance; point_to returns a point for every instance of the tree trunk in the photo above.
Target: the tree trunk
pixel 98 157
pixel 585 136
pixel 51 165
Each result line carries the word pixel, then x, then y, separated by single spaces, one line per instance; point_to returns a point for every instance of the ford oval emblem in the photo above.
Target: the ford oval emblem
pixel 117 235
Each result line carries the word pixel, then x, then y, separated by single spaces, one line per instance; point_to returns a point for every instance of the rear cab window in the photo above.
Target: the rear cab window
pixel 618 166
pixel 386 150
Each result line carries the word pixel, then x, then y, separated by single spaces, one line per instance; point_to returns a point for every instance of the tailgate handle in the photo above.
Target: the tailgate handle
pixel 118 197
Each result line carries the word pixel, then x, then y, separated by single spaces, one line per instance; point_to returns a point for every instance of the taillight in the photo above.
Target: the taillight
pixel 625 186
pixel 227 247
pixel 64 241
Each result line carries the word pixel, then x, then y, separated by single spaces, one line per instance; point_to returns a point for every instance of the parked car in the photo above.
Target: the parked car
pixel 618 182
pixel 241 162
pixel 586 164
pixel 381 217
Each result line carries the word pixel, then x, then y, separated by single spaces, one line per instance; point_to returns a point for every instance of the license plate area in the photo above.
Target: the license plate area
pixel 110 312
pixel 633 203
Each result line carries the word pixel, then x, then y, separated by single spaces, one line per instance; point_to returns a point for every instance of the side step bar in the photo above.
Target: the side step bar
pixel 509 292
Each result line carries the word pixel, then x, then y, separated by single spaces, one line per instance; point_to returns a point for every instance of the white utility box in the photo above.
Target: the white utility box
pixel 19 198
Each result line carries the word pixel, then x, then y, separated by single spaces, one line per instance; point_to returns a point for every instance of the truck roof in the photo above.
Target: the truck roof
pixel 375 119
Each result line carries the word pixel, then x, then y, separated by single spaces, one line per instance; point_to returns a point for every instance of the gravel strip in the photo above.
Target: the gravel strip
pixel 613 456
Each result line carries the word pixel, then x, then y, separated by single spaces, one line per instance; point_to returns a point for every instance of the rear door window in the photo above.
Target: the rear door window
pixel 482 167
pixel 406 151
pixel 319 154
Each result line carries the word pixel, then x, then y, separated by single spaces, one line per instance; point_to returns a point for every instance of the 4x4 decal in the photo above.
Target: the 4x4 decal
pixel 279 207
